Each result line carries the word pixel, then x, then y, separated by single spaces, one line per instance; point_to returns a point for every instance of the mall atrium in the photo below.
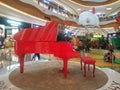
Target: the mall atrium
pixel 59 44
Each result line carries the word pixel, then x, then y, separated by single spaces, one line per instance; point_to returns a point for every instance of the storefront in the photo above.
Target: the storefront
pixel 9 28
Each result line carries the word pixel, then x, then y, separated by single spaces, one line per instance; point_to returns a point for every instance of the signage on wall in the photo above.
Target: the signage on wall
pixel 97 35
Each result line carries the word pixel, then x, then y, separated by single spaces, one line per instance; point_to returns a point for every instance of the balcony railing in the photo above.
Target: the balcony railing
pixel 50 8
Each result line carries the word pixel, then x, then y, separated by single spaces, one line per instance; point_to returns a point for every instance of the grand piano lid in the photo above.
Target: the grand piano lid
pixel 44 33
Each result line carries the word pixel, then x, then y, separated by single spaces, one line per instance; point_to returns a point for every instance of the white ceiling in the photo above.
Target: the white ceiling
pixel 19 16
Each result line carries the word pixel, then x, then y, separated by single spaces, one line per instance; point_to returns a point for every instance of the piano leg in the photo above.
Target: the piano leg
pixel 21 59
pixel 65 65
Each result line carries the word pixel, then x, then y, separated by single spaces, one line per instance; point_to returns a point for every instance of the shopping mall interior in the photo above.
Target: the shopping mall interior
pixel 59 44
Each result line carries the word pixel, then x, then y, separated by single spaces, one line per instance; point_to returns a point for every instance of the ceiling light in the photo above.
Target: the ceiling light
pixel 79 9
pixel 13 23
pixel 108 8
pixel 98 13
pixel 90 10
pixel 95 0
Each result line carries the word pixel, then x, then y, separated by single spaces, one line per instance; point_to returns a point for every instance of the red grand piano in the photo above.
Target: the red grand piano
pixel 43 40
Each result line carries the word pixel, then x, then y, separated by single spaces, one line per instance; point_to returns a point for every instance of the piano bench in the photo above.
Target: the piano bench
pixel 89 61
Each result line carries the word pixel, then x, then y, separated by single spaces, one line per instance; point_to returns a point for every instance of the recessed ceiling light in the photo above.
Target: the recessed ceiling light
pixel 108 8
pixel 79 9
pixel 95 0
pixel 98 13
pixel 90 10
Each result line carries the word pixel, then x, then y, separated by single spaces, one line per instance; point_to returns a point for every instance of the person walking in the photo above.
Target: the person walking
pixel 36 55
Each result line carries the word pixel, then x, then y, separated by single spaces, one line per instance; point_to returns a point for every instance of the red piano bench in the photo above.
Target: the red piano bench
pixel 89 61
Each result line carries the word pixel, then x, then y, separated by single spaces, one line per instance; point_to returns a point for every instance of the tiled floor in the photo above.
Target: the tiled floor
pixel 8 64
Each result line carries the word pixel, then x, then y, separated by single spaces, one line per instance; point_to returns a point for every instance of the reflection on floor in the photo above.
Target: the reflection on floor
pixel 9 61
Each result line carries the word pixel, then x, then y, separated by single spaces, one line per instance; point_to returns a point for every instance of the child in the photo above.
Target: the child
pixel 109 57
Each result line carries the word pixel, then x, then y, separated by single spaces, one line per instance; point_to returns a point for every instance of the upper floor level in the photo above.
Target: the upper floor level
pixel 47 10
